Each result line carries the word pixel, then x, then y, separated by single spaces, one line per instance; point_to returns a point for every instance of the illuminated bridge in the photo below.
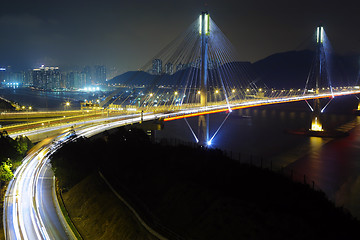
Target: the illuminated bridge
pixel 197 74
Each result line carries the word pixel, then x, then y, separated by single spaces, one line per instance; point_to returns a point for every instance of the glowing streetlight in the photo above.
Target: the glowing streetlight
pixel 233 90
pixel 216 91
pixel 198 92
pixel 176 93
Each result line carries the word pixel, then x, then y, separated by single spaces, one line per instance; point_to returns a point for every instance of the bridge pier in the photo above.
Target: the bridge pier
pixel 316 124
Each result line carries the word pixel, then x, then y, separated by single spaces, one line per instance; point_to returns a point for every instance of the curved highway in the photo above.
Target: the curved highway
pixel 31 210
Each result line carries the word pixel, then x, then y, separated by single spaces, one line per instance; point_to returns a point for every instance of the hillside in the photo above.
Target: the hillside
pixel 233 70
pixel 280 70
pixel 98 214
pixel 195 192
pixel 6 106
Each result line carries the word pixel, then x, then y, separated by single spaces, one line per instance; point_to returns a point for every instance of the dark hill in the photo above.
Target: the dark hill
pixel 6 106
pixel 281 70
pixel 236 71
pixel 198 193
pixel 285 70
pixel 291 69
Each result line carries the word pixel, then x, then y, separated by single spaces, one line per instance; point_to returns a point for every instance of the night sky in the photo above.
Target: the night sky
pixel 127 34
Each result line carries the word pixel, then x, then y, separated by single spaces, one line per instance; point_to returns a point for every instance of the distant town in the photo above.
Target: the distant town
pixel 53 78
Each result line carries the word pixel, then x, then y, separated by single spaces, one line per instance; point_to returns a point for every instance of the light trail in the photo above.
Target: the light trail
pixel 257 103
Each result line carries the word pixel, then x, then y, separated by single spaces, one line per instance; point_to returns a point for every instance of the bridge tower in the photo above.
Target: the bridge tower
pixel 203 123
pixel 316 121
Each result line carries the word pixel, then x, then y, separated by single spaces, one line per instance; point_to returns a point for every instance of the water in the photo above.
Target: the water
pixel 258 135
pixel 42 101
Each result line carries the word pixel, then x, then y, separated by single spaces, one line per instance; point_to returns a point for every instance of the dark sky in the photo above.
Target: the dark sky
pixel 126 34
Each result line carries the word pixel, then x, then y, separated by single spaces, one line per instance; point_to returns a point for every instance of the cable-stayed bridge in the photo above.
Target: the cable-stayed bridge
pixel 197 74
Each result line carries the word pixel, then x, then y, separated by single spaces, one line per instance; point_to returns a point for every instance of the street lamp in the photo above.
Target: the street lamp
pixel 67 104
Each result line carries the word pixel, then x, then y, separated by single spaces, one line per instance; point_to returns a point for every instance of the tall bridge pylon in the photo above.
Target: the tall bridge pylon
pixel 316 124
pixel 203 122
pixel 321 74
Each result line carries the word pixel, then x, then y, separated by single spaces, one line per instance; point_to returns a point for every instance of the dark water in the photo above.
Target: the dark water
pixel 259 135
pixel 42 101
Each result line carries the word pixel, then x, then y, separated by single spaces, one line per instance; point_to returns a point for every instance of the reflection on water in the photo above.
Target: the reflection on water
pixel 41 100
pixel 333 165
pixel 316 143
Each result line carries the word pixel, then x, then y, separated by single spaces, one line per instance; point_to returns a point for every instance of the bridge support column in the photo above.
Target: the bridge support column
pixel 204 31
pixel 316 121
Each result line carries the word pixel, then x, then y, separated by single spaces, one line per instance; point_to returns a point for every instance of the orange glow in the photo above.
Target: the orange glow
pixel 247 106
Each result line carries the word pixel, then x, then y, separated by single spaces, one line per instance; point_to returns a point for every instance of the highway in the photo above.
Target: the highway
pixel 31 210
pixel 30 207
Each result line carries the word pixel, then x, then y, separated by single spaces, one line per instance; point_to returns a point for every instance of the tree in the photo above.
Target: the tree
pixel 5 171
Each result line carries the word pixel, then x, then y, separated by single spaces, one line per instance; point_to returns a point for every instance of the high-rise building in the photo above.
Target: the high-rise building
pixel 75 80
pixel 46 78
pixel 100 74
pixel 27 77
pixel 180 66
pixel 169 68
pixel 89 74
pixel 157 66
pixel 2 74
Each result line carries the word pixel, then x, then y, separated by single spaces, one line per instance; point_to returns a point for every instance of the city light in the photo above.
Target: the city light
pixel 316 125
pixel 207 25
pixel 320 34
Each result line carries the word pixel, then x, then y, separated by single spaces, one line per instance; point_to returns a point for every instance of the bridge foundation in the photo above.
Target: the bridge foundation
pixel 316 121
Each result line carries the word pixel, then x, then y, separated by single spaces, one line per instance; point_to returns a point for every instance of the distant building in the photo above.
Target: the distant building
pixel 27 77
pixel 2 74
pixel 180 66
pixel 75 80
pixel 213 64
pixel 100 74
pixel 89 74
pixel 46 78
pixel 157 66
pixel 169 68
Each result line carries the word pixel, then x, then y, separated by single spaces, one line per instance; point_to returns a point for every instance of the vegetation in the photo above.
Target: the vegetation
pixel 12 152
pixel 199 193
pixel 6 106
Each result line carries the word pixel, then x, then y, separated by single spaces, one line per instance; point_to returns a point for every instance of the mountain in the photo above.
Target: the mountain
pixel 281 70
pixel 291 69
pixel 285 70
pixel 190 76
